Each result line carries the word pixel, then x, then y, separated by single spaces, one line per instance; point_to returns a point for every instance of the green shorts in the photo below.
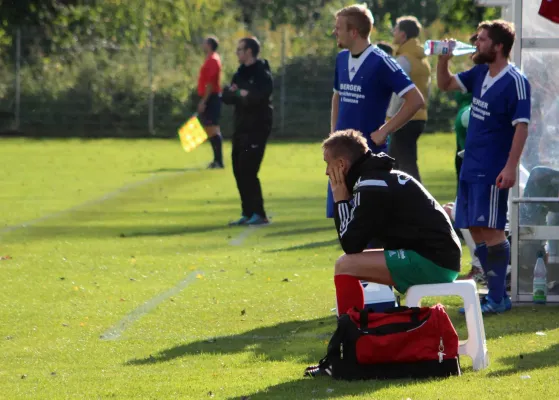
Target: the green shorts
pixel 408 268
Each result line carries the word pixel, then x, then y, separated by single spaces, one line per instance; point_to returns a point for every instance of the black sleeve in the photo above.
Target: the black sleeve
pixel 262 88
pixel 228 96
pixel 359 223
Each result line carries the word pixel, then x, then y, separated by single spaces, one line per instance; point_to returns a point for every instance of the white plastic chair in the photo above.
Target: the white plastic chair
pixel 475 346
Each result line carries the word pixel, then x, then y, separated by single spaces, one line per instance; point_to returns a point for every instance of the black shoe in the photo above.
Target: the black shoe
pixel 215 165
pixel 317 370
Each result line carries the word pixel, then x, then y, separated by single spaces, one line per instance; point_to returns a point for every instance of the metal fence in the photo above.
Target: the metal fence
pixel 102 89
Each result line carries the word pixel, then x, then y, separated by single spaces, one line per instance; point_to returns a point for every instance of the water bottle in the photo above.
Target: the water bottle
pixel 439 47
pixel 540 281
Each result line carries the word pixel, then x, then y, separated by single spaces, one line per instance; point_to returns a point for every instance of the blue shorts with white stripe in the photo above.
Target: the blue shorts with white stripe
pixel 480 204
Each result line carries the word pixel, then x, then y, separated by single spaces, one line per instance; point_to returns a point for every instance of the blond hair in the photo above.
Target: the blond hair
pixel 348 143
pixel 359 17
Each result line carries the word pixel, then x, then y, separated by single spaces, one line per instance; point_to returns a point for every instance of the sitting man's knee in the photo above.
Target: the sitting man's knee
pixel 342 265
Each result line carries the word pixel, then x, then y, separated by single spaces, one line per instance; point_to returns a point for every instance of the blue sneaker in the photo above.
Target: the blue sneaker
pixel 508 303
pixel 488 306
pixel 257 220
pixel 241 221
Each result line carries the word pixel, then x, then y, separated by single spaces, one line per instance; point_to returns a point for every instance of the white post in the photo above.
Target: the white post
pixel 514 223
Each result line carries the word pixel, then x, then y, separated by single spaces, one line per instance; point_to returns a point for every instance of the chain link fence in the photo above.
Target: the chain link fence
pixel 106 90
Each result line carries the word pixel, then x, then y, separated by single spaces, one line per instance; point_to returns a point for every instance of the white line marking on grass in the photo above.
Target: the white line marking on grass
pixel 240 238
pixel 88 203
pixel 116 331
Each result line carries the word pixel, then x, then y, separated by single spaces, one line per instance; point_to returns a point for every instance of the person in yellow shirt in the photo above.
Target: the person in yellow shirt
pixel 409 54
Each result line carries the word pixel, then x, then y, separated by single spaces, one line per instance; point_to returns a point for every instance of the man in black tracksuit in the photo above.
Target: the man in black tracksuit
pixel 375 202
pixel 251 94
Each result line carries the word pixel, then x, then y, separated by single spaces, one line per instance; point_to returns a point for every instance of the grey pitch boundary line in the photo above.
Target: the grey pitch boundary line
pixel 88 203
pixel 116 331
pixel 249 230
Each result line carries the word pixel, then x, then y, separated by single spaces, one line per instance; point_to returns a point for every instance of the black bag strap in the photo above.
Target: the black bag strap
pixel 364 319
pixel 364 316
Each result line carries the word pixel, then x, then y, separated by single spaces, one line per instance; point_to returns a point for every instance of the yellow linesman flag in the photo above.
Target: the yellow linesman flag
pixel 192 134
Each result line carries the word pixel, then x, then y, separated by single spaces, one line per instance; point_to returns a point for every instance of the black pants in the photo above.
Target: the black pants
pixel 246 157
pixel 403 147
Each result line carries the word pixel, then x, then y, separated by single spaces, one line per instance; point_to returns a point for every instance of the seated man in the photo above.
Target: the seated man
pixel 421 246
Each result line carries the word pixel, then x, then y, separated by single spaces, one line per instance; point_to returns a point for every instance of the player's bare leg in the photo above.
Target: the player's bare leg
pixel 370 265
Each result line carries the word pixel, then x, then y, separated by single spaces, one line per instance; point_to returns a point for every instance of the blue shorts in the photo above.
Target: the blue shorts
pixel 481 204
pixel 211 114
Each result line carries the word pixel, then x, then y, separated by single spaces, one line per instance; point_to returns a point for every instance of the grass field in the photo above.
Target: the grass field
pixel 124 281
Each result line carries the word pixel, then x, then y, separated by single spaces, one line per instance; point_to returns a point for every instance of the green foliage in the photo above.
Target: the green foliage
pixel 85 66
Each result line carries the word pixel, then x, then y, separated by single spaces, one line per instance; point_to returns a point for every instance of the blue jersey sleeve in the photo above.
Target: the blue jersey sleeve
pixel 394 76
pixel 467 78
pixel 520 106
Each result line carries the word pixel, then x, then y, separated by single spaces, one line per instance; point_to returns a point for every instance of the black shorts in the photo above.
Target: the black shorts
pixel 211 114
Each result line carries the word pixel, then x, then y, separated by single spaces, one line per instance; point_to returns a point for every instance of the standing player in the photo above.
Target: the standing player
pixel 497 131
pixel 365 78
pixel 209 106
pixel 411 57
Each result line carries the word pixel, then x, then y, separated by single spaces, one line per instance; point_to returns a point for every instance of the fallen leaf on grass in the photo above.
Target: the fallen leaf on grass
pixel 5 258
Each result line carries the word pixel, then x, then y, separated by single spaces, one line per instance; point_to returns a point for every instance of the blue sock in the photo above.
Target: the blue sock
pixel 216 146
pixel 498 257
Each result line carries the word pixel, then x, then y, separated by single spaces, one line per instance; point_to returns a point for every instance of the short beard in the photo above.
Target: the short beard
pixel 484 58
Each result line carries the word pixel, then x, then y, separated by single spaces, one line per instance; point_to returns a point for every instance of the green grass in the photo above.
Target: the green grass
pixel 237 329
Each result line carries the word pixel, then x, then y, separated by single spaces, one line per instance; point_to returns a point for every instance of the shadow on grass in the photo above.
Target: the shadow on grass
pixel 162 170
pixel 524 362
pixel 323 388
pixel 307 246
pixel 304 340
pixel 304 231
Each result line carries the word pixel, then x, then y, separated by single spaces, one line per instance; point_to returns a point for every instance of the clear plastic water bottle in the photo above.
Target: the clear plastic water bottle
pixel 540 281
pixel 439 47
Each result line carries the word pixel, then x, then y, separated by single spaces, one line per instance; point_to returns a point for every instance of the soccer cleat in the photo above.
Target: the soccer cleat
pixel 488 306
pixel 258 220
pixel 508 303
pixel 215 165
pixel 317 370
pixel 241 221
